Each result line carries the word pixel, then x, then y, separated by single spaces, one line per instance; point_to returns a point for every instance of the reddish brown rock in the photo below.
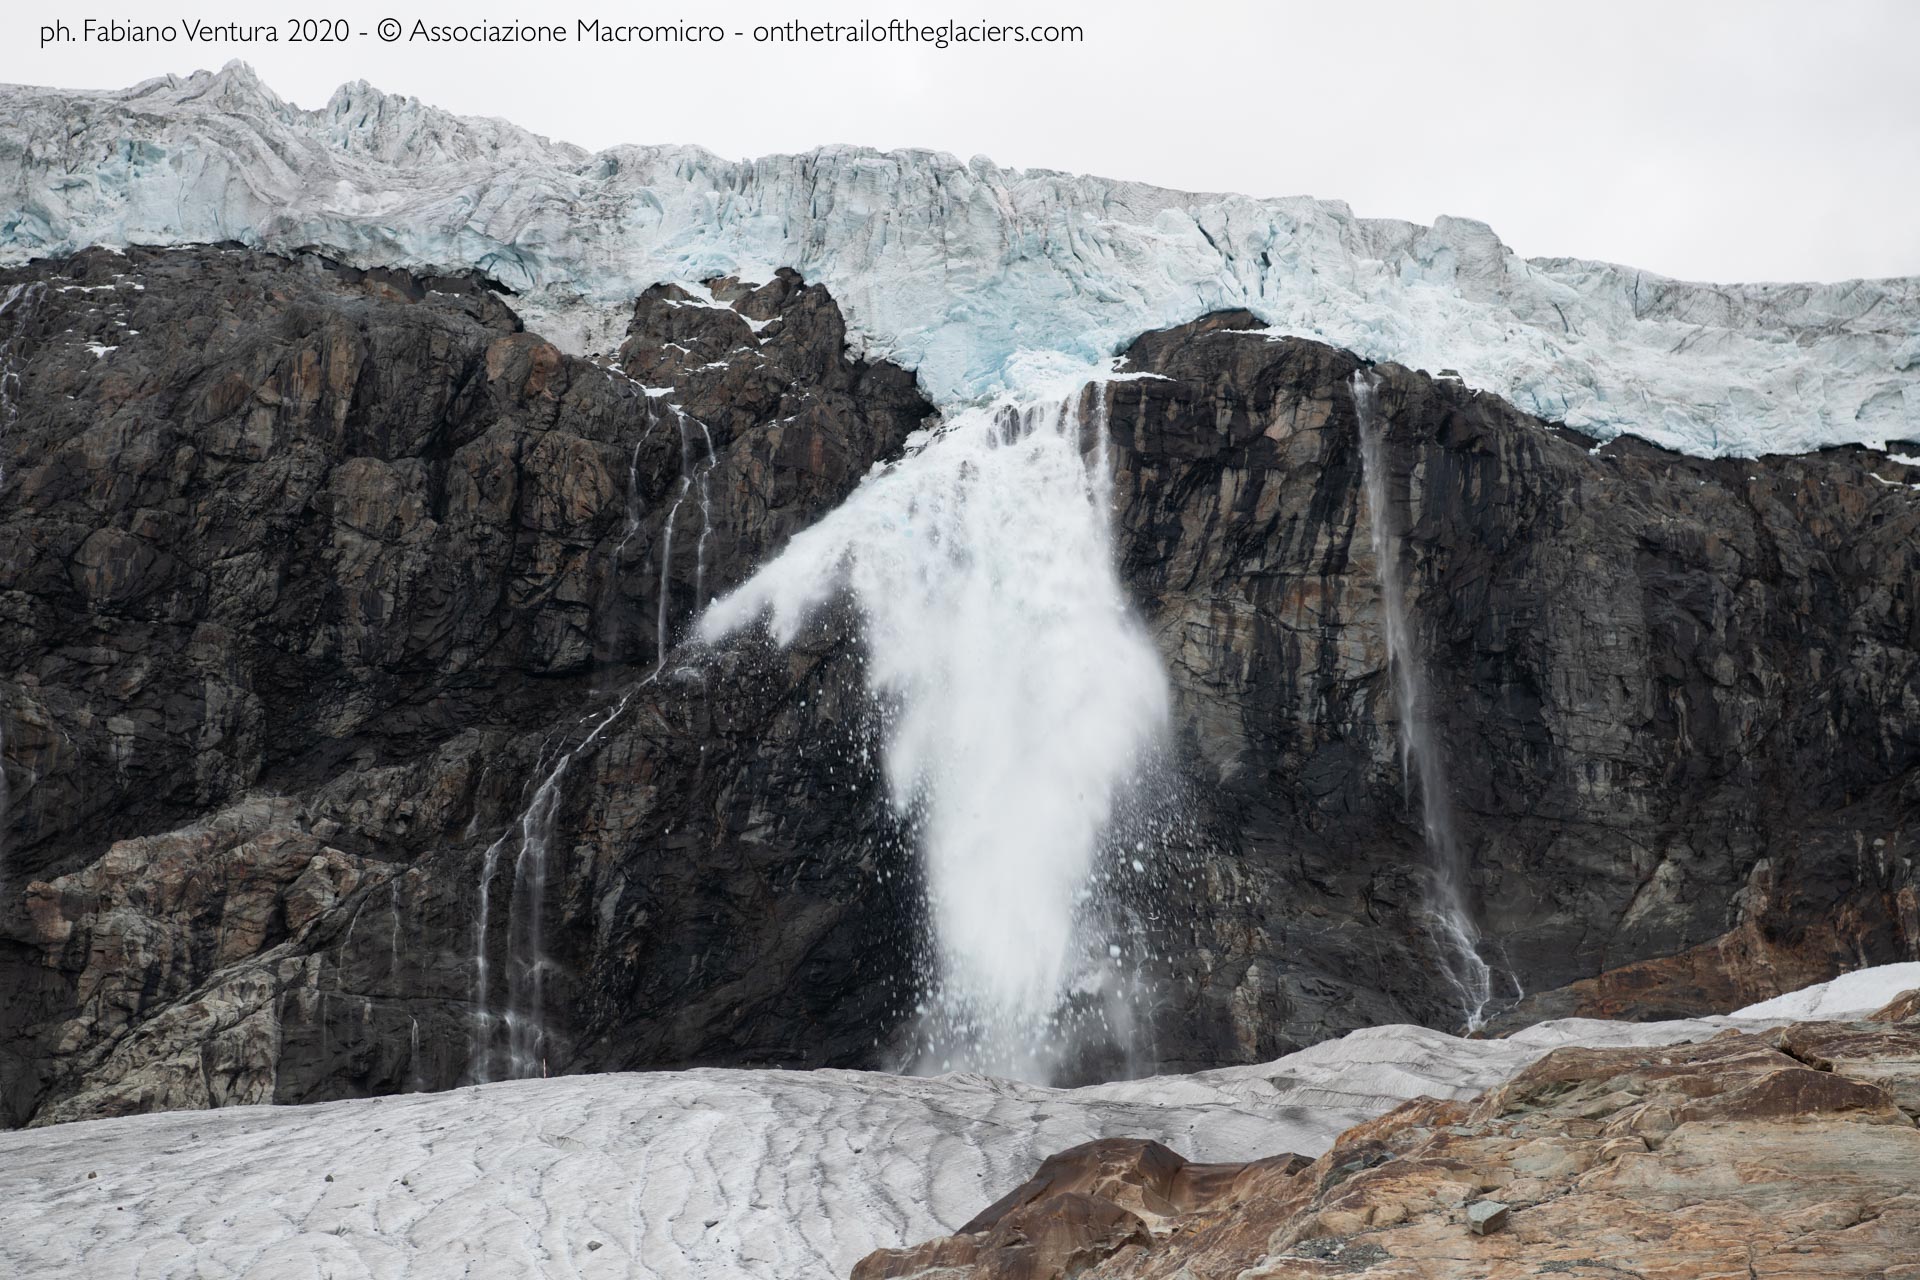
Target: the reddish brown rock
pixel 1872 1053
pixel 1084 1205
pixel 1902 1008
pixel 1730 1158
pixel 1776 947
pixel 1145 1178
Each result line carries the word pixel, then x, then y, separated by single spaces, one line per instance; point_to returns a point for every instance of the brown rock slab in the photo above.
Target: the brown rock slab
pixel 1904 1007
pixel 1714 1161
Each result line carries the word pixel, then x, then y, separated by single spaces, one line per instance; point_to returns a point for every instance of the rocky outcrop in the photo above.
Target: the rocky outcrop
pixel 1787 1153
pixel 1680 699
pixel 353 747
pixel 312 576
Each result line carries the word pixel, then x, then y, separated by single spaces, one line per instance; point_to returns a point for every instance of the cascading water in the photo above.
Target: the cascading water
pixel 531 837
pixel 1422 767
pixel 526 957
pixel 635 518
pixel 1024 696
pixel 525 1017
pixel 666 572
pixel 21 301
pixel 694 478
pixel 706 512
pixel 394 949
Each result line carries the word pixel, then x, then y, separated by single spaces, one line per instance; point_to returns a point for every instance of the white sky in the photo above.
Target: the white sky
pixel 1708 139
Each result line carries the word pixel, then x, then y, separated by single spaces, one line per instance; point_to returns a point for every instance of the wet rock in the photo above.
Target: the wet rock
pixel 1673 693
pixel 309 580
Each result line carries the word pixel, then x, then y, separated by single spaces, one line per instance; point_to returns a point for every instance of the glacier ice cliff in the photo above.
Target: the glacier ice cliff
pixel 973 275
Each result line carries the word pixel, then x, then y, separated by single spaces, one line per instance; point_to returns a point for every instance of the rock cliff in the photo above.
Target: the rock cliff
pixel 352 747
pixel 1677 696
pixel 312 577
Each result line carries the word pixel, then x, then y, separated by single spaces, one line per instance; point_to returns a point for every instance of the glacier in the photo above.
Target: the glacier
pixel 973 275
pixel 692 1175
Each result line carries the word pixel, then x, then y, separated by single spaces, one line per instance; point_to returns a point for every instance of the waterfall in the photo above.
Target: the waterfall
pixel 635 517
pixel 1023 697
pixel 706 514
pixel 482 1055
pixel 666 574
pixel 529 841
pixel 27 297
pixel 526 957
pixel 693 478
pixel 393 936
pixel 635 509
pixel 1422 764
pixel 525 1017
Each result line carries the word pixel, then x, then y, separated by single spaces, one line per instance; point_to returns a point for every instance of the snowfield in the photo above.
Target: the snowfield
pixel 1848 996
pixel 983 279
pixel 711 1174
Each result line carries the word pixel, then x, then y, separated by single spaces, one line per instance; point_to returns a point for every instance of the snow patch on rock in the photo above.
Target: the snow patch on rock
pixel 1851 995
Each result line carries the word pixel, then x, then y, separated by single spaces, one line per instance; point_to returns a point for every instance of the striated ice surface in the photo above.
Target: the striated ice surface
pixel 708 1173
pixel 963 271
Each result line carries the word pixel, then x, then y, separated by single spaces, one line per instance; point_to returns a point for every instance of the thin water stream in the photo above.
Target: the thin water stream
pixel 1422 764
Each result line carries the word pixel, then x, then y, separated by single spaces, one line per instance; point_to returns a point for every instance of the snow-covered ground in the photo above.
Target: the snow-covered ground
pixel 981 278
pixel 710 1174
pixel 1847 996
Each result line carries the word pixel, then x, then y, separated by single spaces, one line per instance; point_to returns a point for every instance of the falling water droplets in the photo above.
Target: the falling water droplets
pixel 529 840
pixel 1422 768
pixel 1025 698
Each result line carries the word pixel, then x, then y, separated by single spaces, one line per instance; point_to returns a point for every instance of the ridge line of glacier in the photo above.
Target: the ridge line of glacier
pixel 981 279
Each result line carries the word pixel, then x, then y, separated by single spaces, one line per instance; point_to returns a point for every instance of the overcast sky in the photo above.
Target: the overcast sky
pixel 1722 141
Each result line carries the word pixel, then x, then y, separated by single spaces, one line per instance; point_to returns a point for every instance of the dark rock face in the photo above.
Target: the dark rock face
pixel 1678 696
pixel 344 757
pixel 311 577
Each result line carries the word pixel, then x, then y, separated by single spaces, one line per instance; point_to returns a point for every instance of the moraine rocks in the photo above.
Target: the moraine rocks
pixel 1784 1153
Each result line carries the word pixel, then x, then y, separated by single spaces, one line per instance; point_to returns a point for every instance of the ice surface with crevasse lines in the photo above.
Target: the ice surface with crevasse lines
pixel 957 270
pixel 696 1174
